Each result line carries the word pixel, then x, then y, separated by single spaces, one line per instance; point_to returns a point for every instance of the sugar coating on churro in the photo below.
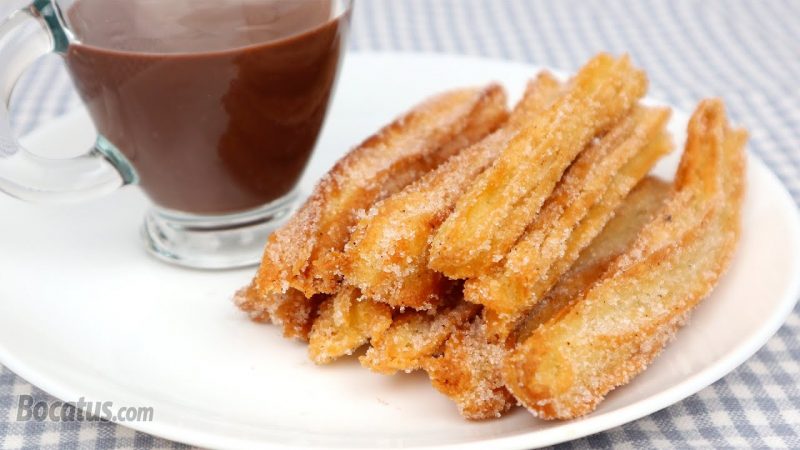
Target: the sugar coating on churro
pixel 344 324
pixel 507 288
pixel 621 324
pixel 415 336
pixel 305 253
pixel 505 199
pixel 387 256
pixel 468 371
pixel 577 268
pixel 290 310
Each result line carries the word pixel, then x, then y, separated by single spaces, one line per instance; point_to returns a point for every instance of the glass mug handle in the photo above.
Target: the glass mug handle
pixel 26 35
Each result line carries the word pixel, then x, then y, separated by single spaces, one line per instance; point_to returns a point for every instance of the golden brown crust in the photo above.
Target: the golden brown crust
pixel 415 336
pixel 576 278
pixel 304 253
pixel 291 310
pixel 638 208
pixel 530 289
pixel 490 217
pixel 469 368
pixel 468 371
pixel 568 365
pixel 507 287
pixel 344 324
pixel 387 256
pixel 630 217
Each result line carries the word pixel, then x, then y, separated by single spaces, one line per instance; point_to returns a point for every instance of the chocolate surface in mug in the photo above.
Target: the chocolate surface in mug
pixel 216 103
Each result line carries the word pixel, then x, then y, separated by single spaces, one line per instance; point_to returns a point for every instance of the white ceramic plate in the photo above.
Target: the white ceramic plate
pixel 86 313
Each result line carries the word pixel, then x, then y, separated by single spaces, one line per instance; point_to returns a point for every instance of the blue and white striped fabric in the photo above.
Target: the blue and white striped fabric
pixel 745 51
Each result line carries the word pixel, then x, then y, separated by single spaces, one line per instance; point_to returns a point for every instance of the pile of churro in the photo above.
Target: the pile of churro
pixel 521 257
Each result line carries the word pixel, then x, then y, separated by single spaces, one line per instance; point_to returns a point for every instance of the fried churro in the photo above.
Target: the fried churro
pixel 507 288
pixel 415 336
pixel 530 289
pixel 638 208
pixel 344 324
pixel 468 371
pixel 517 259
pixel 290 310
pixel 303 254
pixel 387 256
pixel 490 217
pixel 568 365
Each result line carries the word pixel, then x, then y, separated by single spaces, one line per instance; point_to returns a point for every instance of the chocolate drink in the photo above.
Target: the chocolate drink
pixel 216 103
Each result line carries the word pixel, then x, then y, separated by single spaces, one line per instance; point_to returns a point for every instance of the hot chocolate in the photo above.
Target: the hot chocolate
pixel 219 108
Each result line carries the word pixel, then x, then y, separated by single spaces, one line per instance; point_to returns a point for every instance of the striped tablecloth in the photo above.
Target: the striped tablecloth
pixel 747 52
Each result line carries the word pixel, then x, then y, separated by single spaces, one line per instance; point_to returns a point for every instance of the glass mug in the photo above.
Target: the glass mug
pixel 212 107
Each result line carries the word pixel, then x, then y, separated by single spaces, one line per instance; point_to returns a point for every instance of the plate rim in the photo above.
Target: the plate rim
pixel 582 427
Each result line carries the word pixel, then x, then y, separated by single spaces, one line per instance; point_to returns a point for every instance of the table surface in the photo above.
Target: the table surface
pixel 743 51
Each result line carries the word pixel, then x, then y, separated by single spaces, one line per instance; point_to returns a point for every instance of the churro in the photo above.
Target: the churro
pixel 303 254
pixel 387 256
pixel 490 217
pixel 568 365
pixel 344 324
pixel 290 310
pixel 468 371
pixel 469 368
pixel 415 336
pixel 638 208
pixel 522 258
pixel 530 289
